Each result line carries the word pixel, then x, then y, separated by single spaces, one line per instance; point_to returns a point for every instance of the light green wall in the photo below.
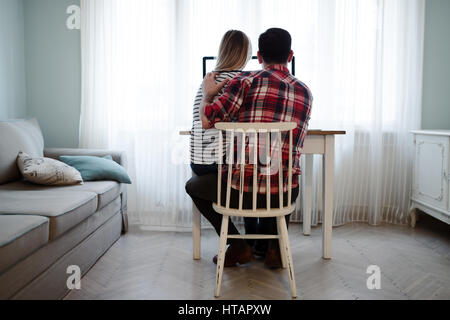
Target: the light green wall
pixel 436 77
pixel 12 60
pixel 53 70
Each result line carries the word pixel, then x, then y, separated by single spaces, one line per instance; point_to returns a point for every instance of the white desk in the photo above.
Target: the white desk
pixel 317 142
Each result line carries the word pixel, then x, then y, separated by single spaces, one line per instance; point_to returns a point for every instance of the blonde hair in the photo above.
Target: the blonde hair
pixel 234 52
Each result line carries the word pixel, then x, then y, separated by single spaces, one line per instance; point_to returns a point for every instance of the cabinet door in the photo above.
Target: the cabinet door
pixel 431 164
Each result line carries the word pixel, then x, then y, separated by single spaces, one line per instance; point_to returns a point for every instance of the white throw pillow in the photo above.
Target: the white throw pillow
pixel 47 171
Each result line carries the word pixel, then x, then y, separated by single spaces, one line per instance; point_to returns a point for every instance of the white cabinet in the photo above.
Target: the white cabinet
pixel 431 176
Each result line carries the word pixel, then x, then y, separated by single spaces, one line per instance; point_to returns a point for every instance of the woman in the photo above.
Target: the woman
pixel 234 53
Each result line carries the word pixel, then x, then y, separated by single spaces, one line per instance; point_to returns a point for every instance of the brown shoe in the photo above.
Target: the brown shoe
pixel 237 253
pixel 273 257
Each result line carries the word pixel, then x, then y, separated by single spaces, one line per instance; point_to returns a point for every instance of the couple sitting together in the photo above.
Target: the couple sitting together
pixel 230 95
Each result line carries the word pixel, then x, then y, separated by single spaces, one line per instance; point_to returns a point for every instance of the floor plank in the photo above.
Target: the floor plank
pixel 415 264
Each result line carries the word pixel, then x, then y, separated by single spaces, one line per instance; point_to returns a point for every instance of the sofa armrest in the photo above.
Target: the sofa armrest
pixel 118 156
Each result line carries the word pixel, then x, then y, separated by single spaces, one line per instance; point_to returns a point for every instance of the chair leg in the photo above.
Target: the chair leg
pixel 281 242
pixel 221 254
pixel 196 231
pixel 287 249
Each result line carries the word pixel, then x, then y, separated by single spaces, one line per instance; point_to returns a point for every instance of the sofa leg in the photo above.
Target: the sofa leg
pixel 124 222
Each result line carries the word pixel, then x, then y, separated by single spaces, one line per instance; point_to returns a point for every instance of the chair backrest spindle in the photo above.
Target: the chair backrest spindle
pixel 242 164
pixel 280 170
pixel 255 169
pixel 230 168
pixel 219 176
pixel 290 168
pixel 268 169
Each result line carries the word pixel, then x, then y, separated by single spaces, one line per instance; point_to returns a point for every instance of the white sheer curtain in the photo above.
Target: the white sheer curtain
pixel 141 63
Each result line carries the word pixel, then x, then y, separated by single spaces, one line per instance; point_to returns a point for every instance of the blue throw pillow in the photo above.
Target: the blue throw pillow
pixel 96 168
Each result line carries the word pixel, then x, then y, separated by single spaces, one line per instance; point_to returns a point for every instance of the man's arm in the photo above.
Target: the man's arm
pixel 210 90
pixel 227 106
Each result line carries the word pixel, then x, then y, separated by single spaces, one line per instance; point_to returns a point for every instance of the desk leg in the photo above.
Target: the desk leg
pixel 307 194
pixel 327 196
pixel 196 231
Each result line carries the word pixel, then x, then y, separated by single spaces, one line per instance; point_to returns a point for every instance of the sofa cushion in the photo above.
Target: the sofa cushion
pixel 97 169
pixel 65 209
pixel 16 136
pixel 107 191
pixel 21 235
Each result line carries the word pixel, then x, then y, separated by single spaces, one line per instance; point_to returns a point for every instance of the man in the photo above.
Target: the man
pixel 269 95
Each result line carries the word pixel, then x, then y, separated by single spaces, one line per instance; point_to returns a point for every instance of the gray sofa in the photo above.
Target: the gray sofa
pixel 43 229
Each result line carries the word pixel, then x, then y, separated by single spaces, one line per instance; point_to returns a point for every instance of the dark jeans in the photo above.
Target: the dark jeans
pixel 202 169
pixel 203 191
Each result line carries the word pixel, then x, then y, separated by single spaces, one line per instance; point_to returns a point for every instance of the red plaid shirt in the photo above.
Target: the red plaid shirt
pixel 269 95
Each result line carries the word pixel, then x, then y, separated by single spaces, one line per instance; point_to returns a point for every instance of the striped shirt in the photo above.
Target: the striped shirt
pixel 204 143
pixel 269 95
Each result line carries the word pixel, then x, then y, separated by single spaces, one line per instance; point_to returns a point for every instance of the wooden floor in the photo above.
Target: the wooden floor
pixel 415 264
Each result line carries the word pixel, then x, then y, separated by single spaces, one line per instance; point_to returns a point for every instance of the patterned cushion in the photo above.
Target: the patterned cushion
pixel 47 171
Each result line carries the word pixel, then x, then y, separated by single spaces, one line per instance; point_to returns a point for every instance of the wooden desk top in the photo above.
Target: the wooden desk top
pixel 325 132
pixel 310 132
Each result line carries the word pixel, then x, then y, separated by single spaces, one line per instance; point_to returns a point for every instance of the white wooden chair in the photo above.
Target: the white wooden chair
pixel 249 130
